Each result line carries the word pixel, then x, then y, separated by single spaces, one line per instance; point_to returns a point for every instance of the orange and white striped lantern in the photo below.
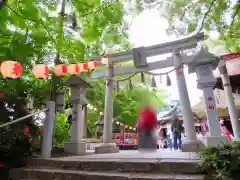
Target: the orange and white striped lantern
pixel 41 71
pixel 60 70
pixel 73 69
pixel 92 65
pixel 83 67
pixel 11 69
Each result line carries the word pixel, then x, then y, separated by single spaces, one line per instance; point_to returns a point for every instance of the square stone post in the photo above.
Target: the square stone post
pixel 203 65
pixel 77 144
pixel 48 130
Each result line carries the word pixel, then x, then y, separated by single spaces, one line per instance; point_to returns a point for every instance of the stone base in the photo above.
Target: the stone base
pixel 192 145
pixel 214 141
pixel 75 148
pixel 106 148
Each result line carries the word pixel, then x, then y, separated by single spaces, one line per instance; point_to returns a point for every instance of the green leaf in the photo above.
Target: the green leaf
pixel 191 27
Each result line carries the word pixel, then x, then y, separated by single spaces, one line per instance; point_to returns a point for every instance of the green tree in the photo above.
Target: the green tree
pixel 192 16
pixel 35 37
pixel 33 32
pixel 222 16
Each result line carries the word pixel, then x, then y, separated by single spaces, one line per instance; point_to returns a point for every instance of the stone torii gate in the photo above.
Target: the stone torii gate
pixel 202 63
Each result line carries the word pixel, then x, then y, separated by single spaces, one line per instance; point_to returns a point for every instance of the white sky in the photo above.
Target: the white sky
pixel 150 29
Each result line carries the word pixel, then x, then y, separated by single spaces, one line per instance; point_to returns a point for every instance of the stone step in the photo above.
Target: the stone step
pixel 60 174
pixel 178 166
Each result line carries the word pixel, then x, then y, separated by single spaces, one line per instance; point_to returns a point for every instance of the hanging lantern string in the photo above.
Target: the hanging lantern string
pixel 150 73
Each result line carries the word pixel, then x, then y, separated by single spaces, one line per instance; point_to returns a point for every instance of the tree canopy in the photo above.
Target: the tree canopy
pixel 32 32
pixel 191 16
pixel 221 16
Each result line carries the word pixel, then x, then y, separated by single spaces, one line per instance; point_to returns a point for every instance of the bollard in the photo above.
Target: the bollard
pixel 48 130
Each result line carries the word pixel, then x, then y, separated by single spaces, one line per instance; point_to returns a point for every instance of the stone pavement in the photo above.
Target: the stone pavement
pixel 126 155
pixel 125 165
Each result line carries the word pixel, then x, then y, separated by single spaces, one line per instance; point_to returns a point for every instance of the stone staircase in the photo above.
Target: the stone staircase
pixel 107 169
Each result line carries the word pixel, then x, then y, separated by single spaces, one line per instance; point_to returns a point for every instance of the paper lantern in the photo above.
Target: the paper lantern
pixel 60 70
pixel 73 69
pixel 11 69
pixel 83 67
pixel 92 65
pixel 41 71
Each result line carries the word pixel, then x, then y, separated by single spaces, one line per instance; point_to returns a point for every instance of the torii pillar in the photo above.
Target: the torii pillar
pixel 190 143
pixel 108 146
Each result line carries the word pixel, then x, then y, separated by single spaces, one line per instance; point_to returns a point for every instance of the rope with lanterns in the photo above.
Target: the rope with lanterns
pixel 13 69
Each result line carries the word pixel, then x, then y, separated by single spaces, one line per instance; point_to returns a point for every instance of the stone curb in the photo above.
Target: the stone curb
pixel 154 166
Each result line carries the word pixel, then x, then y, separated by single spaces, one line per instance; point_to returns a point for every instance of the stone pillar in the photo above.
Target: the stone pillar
pixel 190 144
pixel 85 110
pixel 108 146
pixel 206 82
pixel 48 130
pixel 230 102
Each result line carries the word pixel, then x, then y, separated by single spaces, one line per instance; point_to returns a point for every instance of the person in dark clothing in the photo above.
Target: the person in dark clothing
pixel 177 129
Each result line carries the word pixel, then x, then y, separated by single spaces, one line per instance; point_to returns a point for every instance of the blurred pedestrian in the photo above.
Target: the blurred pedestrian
pixel 146 124
pixel 177 129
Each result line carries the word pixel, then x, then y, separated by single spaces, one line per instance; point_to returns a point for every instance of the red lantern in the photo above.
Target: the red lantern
pixel 73 69
pixel 41 71
pixel 92 65
pixel 60 70
pixel 11 69
pixel 83 67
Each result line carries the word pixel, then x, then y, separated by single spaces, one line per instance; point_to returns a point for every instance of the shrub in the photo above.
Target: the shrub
pixel 222 162
pixel 62 130
pixel 17 142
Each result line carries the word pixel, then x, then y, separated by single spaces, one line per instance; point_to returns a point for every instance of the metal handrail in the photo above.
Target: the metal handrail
pixel 22 118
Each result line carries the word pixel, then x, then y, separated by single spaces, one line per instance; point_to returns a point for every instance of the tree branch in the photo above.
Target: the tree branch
pixel 206 14
pixel 185 10
pixel 234 15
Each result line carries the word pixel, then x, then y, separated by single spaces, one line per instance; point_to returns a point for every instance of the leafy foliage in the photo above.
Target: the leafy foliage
pixel 33 32
pixel 126 102
pixel 222 162
pixel 62 130
pixel 192 16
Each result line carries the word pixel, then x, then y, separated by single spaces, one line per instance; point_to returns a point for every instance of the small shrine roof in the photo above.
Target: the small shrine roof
pixel 232 63
pixel 233 67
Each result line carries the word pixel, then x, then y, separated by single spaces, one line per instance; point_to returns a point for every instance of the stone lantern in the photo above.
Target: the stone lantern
pixel 99 126
pixel 203 64
pixel 77 144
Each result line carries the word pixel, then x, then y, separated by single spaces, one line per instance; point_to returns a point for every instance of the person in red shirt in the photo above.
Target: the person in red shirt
pixel 146 124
